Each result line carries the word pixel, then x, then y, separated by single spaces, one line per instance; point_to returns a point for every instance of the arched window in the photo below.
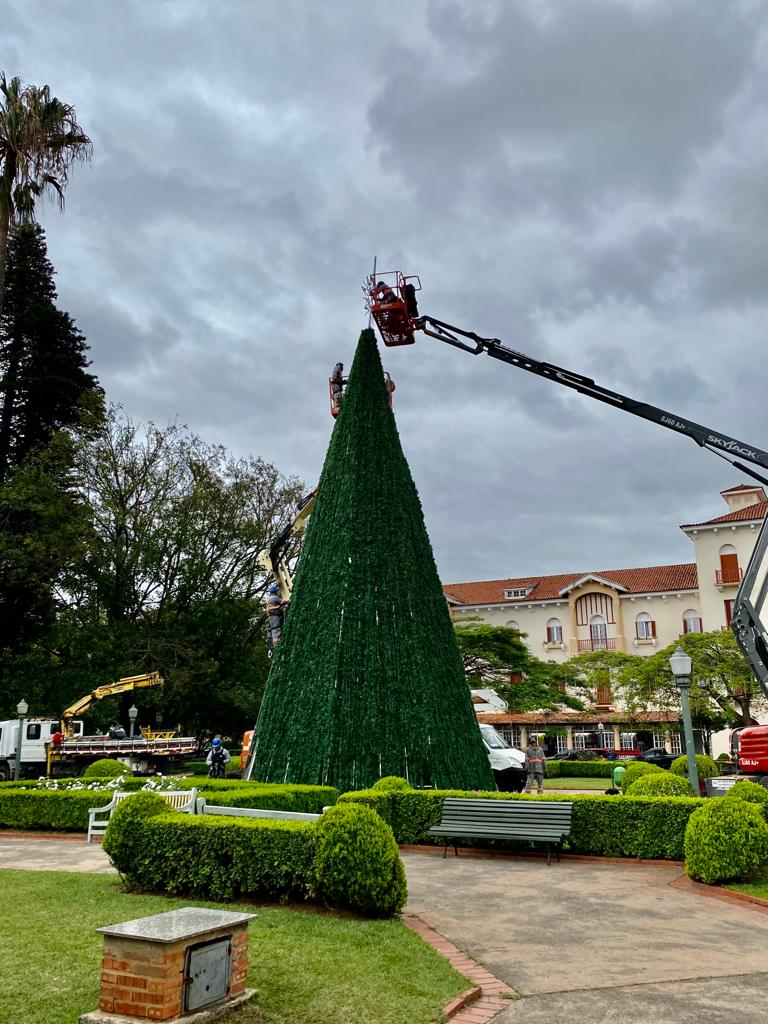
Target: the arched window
pixel 512 625
pixel 554 631
pixel 645 627
pixel 729 571
pixel 598 632
pixel 692 621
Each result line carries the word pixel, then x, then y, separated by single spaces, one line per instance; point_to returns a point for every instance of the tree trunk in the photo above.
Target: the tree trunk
pixel 4 228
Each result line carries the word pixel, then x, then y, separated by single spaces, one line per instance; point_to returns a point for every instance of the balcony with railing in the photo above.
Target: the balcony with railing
pixel 728 576
pixel 598 643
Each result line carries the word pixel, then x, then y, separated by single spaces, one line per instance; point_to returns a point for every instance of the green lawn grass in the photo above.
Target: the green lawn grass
pixel 757 887
pixel 311 968
pixel 576 783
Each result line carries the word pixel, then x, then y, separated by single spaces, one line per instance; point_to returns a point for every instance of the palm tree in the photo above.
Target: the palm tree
pixel 40 139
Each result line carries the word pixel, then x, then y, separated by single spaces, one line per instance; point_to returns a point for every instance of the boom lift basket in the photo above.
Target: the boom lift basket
pixel 390 307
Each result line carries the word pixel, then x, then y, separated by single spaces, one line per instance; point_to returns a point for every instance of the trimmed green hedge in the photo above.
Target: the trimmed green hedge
pixel 705 766
pixel 611 826
pixel 106 768
pixel 67 810
pixel 351 861
pixel 60 809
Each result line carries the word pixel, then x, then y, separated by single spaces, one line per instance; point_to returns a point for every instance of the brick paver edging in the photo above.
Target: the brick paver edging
pixel 476 1005
pixel 714 892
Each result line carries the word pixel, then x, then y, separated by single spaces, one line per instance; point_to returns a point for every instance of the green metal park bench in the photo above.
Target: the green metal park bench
pixel 537 821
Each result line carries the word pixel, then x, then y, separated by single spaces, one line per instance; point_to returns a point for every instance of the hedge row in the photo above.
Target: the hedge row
pixel 610 826
pixel 348 858
pixel 583 769
pixel 67 810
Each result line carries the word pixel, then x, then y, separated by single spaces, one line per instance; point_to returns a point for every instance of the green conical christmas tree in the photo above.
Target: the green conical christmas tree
pixel 367 680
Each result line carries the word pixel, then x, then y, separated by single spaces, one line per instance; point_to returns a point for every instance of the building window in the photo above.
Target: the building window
pixel 692 622
pixel 628 740
pixel 510 595
pixel 554 632
pixel 562 743
pixel 513 625
pixel 603 694
pixel 728 611
pixel 676 744
pixel 645 627
pixel 658 739
pixel 729 571
pixel 581 740
pixel 594 604
pixel 598 633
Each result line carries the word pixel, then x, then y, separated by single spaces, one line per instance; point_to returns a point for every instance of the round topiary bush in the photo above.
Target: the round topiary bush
pixel 357 862
pixel 664 784
pixel 117 838
pixel 705 766
pixel 725 840
pixel 750 791
pixel 635 770
pixel 392 783
pixel 106 768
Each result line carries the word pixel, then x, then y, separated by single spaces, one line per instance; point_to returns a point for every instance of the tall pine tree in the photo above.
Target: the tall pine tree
pixel 367 680
pixel 44 383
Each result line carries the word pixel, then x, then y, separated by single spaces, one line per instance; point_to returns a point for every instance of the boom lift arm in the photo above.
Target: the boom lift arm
pixel 750 609
pixel 274 558
pixel 125 685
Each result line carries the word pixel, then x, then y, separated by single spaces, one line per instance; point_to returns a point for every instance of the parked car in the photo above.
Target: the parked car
pixel 658 756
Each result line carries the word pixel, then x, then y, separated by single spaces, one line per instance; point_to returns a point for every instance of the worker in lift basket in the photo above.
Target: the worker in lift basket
pixel 384 294
pixel 338 380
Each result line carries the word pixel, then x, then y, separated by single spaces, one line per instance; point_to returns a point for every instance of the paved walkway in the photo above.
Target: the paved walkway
pixel 580 941
pixel 597 942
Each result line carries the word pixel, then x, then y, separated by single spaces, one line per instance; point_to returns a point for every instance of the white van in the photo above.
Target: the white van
pixel 507 763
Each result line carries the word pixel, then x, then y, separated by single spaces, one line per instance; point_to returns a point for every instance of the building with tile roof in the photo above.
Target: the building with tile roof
pixel 638 610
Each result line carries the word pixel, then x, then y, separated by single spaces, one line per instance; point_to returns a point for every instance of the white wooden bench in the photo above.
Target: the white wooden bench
pixel 182 800
pixel 534 820
pixel 254 812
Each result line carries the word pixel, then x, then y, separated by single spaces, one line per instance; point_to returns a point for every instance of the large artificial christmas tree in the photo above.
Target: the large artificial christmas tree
pixel 367 680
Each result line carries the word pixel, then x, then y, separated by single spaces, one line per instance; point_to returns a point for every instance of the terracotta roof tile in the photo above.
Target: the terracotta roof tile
pixel 741 515
pixel 653 579
pixel 574 717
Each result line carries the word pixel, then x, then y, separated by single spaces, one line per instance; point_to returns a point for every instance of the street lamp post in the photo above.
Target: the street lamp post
pixel 21 710
pixel 680 664
pixel 133 714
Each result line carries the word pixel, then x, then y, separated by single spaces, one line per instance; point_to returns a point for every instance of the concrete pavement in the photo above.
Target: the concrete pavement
pixel 597 942
pixel 54 853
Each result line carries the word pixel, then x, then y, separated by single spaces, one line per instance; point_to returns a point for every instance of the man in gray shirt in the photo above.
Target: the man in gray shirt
pixel 535 761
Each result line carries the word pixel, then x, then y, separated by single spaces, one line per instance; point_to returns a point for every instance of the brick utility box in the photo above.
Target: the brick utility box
pixel 187 964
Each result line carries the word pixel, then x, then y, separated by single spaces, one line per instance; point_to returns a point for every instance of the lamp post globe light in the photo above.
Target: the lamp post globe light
pixel 133 714
pixel 680 663
pixel 21 710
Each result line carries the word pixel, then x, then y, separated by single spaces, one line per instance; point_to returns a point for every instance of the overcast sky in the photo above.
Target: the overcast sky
pixel 587 181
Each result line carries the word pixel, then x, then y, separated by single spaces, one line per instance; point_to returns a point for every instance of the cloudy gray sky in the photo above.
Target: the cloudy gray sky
pixel 586 181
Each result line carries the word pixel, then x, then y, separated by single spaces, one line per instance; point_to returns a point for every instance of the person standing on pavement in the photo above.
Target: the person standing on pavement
pixel 535 761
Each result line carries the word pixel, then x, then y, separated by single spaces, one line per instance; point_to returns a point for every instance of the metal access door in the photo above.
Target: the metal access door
pixel 749 617
pixel 207 973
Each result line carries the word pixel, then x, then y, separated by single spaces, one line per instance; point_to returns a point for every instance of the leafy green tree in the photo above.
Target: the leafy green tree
pixel 367 680
pixel 44 383
pixel 497 656
pixel 723 688
pixel 40 139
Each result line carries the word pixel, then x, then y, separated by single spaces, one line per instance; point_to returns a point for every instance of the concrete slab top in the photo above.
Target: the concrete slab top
pixel 175 925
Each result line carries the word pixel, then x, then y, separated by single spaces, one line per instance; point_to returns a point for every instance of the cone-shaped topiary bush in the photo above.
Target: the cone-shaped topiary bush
pixel 357 861
pixel 661 784
pixel 636 770
pixel 106 768
pixel 725 840
pixel 705 766
pixel 750 791
pixel 367 680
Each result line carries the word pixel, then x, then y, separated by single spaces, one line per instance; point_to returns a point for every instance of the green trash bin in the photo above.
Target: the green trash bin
pixel 618 776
